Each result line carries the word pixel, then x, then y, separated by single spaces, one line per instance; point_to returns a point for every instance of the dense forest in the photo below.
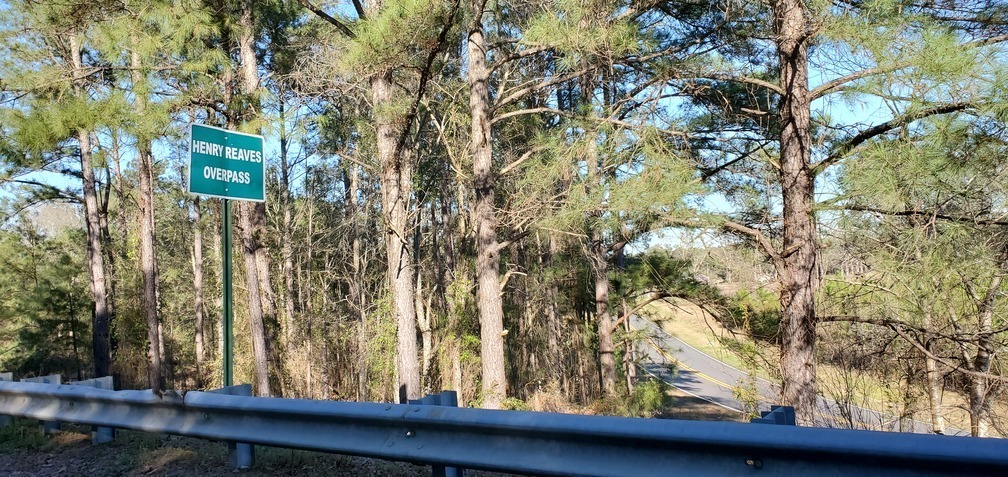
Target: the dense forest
pixel 471 195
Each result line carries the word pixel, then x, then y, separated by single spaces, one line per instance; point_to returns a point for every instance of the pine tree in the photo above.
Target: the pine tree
pixel 761 144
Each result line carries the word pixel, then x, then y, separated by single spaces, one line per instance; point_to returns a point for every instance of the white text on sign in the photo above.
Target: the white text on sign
pixel 234 153
pixel 226 175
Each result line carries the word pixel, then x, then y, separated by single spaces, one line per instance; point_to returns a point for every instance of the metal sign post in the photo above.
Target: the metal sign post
pixel 229 165
pixel 227 361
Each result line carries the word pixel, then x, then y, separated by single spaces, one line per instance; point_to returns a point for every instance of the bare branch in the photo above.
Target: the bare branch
pixel 989 41
pixel 650 298
pixel 519 92
pixel 900 328
pixel 885 127
pixel 359 8
pixel 525 53
pixel 329 18
pixel 710 172
pixel 830 86
pixel 921 213
pixel 745 80
pixel 521 112
pixel 426 73
pixel 760 239
pixel 524 157
pixel 507 243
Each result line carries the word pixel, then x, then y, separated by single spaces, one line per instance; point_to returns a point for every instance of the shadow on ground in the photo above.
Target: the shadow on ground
pixel 691 408
pixel 25 452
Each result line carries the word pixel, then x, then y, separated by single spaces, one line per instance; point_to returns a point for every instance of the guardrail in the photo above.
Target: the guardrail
pixel 241 455
pixel 445 398
pixel 4 419
pixel 50 426
pixel 780 415
pixel 99 434
pixel 511 441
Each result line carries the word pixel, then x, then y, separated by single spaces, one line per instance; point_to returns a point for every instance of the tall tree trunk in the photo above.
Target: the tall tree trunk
pixel 148 253
pixel 600 271
pixel 100 321
pixel 287 233
pixel 933 382
pixel 630 360
pixel 423 312
pixel 267 295
pixel 253 216
pixel 218 252
pixel 978 406
pixel 598 257
pixel 978 403
pixel 450 239
pixel 397 185
pixel 197 264
pixel 111 252
pixel 554 325
pixel 934 394
pixel 799 267
pixel 259 353
pixel 424 321
pixel 106 238
pixel 356 288
pixel 488 285
pixel 308 306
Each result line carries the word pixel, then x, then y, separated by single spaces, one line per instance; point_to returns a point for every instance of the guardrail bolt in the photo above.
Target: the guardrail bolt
pixel 754 463
pixel 410 433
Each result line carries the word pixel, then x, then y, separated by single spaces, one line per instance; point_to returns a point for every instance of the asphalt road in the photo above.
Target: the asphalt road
pixel 701 375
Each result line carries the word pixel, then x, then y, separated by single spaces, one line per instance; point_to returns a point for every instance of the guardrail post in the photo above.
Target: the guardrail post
pixel 48 427
pixel 780 415
pixel 100 434
pixel 240 454
pixel 6 420
pixel 445 398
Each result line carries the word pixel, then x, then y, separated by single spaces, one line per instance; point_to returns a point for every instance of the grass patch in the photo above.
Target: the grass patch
pixel 22 434
pixel 701 330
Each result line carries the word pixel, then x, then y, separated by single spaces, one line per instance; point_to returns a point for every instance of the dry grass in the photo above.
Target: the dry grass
pixel 692 408
pixel 551 400
pixel 699 329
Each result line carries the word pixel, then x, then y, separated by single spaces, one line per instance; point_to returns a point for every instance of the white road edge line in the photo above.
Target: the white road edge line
pixel 691 394
pixel 661 330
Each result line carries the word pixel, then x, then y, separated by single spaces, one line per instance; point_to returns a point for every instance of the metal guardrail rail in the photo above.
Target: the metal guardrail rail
pixel 779 415
pixel 511 441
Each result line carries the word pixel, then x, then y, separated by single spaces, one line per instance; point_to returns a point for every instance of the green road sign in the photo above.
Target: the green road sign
pixel 226 164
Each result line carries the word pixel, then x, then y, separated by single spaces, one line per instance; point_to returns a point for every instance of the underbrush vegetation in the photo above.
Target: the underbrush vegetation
pixel 21 434
pixel 649 398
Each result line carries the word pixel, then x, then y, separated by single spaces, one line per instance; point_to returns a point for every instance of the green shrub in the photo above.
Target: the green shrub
pixel 649 398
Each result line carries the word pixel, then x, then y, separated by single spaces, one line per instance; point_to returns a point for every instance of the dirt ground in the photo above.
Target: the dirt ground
pixel 25 452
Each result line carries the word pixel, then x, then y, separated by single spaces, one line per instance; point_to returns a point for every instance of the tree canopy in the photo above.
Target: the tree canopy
pixel 471 195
